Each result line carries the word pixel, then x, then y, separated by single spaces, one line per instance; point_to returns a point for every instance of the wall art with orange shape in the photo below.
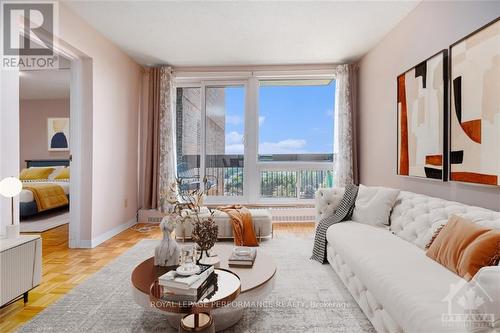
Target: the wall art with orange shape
pixel 475 107
pixel 422 118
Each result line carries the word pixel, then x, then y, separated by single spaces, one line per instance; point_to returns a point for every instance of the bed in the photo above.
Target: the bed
pixel 27 203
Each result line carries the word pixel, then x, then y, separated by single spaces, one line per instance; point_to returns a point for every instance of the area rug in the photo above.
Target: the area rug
pixel 307 297
pixel 44 222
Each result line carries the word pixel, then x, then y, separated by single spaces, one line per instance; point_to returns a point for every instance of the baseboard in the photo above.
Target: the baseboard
pixel 89 244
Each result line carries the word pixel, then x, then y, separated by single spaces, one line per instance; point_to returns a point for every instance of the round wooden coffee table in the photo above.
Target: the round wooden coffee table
pixel 256 283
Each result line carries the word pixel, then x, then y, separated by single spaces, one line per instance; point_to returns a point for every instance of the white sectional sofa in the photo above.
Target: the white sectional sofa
pixel 396 285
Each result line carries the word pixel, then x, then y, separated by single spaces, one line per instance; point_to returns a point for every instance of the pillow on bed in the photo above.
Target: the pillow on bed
pixel 35 173
pixel 63 174
pixel 57 169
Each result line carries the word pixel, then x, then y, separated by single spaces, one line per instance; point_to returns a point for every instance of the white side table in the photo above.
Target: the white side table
pixel 20 267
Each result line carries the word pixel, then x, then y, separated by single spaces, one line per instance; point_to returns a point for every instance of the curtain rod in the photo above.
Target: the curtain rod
pixel 247 71
pixel 147 69
pixel 311 73
pixel 256 68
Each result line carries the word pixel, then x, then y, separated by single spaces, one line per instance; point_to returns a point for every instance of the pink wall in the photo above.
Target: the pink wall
pixel 116 96
pixel 430 27
pixel 33 116
pixel 9 139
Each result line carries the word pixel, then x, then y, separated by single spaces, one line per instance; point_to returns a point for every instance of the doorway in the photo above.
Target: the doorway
pixel 44 147
pixel 79 66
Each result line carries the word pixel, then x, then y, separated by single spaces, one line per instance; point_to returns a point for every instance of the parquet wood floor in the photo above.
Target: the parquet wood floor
pixel 64 268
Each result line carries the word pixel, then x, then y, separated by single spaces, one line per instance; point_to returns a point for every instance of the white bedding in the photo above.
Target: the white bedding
pixel 27 195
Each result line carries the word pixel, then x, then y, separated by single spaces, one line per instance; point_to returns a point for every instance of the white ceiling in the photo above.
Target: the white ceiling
pixel 49 84
pixel 223 33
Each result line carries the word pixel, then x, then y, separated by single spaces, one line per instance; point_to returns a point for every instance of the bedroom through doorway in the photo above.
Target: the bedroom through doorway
pixel 44 130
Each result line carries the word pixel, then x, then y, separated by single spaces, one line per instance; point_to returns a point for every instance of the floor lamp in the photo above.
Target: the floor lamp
pixel 9 188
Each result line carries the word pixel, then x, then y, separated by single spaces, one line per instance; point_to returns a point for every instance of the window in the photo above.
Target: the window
pixel 256 141
pixel 225 125
pixel 296 121
pixel 188 136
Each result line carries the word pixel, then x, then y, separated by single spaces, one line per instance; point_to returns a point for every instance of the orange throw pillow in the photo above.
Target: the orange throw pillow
pixel 448 245
pixel 483 251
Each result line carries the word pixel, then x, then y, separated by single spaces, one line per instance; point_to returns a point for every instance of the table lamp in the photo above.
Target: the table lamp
pixel 9 188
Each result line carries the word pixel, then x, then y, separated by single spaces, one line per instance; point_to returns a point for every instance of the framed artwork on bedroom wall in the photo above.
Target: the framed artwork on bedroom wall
pixel 58 134
pixel 422 105
pixel 475 107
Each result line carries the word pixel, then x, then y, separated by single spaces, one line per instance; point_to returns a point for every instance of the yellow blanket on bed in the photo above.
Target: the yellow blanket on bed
pixel 47 196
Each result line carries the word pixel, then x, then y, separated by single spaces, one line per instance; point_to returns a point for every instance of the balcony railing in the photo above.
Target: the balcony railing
pixel 301 184
pixel 225 175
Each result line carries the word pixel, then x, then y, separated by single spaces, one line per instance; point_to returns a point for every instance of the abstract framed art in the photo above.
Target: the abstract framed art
pixel 475 107
pixel 58 134
pixel 422 119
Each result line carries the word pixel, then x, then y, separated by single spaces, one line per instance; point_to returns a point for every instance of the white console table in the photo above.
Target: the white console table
pixel 20 267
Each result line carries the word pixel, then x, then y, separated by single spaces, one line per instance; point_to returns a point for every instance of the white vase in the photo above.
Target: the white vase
pixel 12 231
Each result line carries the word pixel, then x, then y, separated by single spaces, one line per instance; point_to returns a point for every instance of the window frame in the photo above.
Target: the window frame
pixel 252 166
pixel 296 166
pixel 219 84
pixel 204 85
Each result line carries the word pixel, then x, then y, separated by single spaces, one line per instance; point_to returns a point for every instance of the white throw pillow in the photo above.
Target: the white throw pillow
pixel 374 205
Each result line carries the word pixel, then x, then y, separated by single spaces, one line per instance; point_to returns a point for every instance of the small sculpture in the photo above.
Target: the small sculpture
pixel 167 253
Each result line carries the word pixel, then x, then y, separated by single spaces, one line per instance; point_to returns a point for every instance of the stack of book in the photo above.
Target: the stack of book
pixel 242 257
pixel 178 288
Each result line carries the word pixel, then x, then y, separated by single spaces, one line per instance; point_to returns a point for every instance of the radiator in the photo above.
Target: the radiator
pixel 20 268
pixel 149 216
pixel 279 214
pixel 292 214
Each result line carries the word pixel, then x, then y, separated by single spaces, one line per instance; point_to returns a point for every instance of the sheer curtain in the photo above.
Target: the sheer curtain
pixel 167 164
pixel 148 168
pixel 346 171
pixel 157 126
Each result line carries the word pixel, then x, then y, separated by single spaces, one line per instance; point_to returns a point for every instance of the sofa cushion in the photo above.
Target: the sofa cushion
pixel 409 285
pixel 415 217
pixel 374 204
pixel 483 251
pixel 448 246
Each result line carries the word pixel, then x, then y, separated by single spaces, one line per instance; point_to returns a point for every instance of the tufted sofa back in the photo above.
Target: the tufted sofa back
pixel 327 201
pixel 415 217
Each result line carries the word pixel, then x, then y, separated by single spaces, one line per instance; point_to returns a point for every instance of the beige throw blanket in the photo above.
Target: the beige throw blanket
pixel 241 219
